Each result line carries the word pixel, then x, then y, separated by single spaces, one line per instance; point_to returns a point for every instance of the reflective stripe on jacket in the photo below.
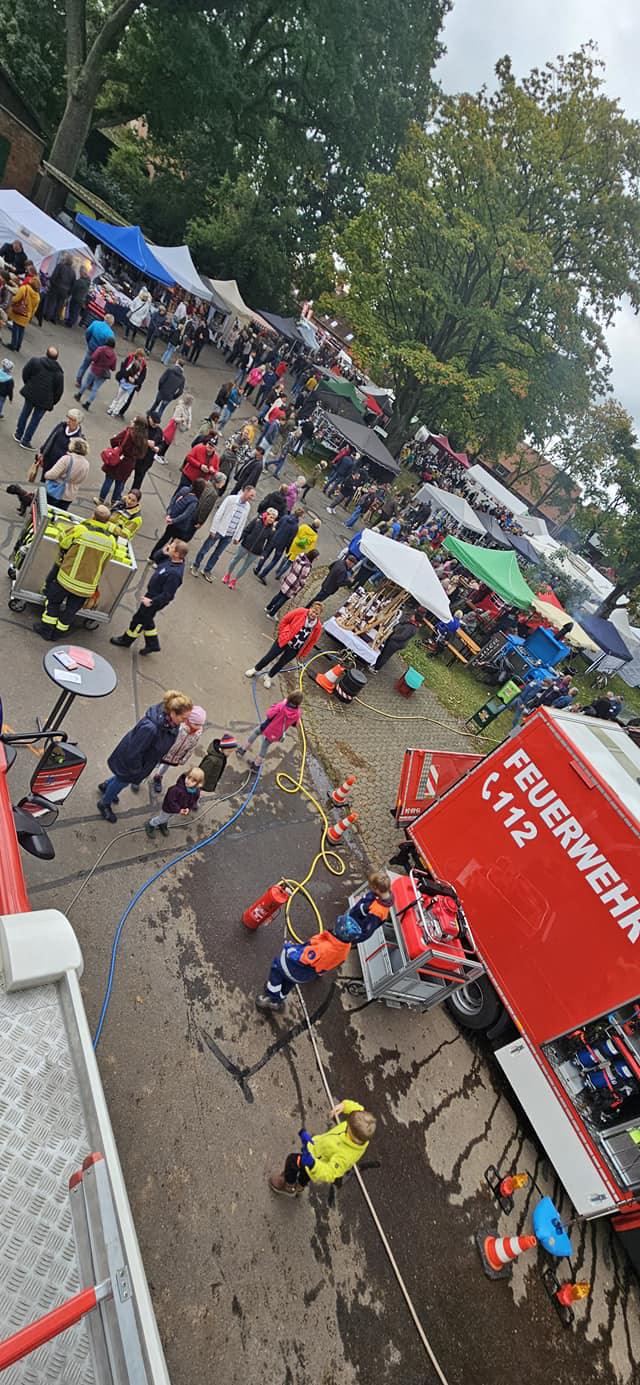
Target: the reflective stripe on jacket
pixel 86 550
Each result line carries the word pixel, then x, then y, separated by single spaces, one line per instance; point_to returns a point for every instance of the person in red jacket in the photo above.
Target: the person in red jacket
pixel 298 631
pixel 103 361
pixel 200 464
pixel 121 458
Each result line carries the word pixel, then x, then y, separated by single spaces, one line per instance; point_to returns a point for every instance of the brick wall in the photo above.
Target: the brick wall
pixel 25 152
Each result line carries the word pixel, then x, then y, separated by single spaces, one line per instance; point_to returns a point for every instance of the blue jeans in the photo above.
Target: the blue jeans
pixel 92 383
pixel 84 365
pixel 217 542
pixel 114 786
pixel 349 523
pixel 28 421
pixel 276 463
pixel 17 336
pixel 158 407
pixel 267 564
pixel 118 487
pixel 167 354
pixel 284 565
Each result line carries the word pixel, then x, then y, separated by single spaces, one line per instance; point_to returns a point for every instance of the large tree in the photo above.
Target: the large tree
pixel 482 271
pixel 303 99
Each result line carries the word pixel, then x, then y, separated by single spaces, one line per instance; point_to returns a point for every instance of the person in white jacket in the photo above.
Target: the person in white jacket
pixel 138 314
pixel 227 524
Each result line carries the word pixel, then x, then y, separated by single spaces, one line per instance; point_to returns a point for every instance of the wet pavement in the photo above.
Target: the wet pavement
pixel 206 1096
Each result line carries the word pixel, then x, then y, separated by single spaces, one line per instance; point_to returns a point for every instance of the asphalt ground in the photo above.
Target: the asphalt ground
pixel 206 1095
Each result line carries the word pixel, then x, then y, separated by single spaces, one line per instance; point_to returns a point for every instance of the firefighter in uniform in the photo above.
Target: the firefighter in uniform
pixel 85 549
pixel 161 590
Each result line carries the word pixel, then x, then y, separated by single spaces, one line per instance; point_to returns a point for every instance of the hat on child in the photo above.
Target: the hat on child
pixel 228 742
pixel 197 716
pixel 7 365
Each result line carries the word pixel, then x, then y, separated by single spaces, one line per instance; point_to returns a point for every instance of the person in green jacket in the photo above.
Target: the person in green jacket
pixel 327 1158
pixel 215 759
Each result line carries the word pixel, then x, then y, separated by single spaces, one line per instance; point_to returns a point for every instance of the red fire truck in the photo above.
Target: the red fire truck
pixel 541 840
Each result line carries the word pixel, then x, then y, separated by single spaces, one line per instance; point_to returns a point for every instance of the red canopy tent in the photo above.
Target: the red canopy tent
pixel 373 405
pixel 443 443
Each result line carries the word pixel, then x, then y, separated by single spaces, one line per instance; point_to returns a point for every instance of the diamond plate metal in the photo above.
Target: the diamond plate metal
pixel 43 1139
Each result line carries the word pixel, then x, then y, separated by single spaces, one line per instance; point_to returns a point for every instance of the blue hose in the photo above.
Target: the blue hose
pixel 182 856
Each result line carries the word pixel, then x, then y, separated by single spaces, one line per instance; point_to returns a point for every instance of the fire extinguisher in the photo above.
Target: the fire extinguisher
pixel 264 909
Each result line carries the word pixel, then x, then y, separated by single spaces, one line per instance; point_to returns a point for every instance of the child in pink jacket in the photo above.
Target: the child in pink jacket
pixel 274 727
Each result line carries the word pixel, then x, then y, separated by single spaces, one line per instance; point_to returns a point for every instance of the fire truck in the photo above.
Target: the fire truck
pixel 74 1300
pixel 541 841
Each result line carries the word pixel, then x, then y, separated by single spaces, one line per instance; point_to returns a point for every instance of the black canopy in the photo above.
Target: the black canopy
pixel 367 442
pixel 285 326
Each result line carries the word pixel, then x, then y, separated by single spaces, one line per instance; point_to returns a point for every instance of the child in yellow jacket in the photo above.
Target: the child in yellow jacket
pixel 327 1158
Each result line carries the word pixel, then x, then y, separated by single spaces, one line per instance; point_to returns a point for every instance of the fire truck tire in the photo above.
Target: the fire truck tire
pixel 476 1006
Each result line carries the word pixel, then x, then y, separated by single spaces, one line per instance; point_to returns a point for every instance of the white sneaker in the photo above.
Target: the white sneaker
pixel 249 673
pixel 266 680
pixel 161 461
pixel 195 571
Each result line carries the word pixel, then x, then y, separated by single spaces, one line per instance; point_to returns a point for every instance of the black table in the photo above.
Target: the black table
pixel 98 681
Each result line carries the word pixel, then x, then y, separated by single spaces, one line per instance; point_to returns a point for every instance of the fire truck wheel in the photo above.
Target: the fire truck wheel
pixel 475 1006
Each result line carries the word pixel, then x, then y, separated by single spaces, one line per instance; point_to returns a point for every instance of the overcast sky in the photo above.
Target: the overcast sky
pixel 478 32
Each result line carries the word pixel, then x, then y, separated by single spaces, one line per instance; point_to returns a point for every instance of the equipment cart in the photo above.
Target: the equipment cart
pixel 35 554
pixel 418 957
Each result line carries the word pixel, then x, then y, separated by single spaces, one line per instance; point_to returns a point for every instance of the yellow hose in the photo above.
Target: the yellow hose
pixel 289 784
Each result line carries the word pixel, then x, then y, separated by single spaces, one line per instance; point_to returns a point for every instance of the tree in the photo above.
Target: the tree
pixel 244 240
pixel 603 453
pixel 297 97
pixel 483 269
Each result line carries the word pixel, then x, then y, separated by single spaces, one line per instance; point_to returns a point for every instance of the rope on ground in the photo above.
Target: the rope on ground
pixel 372 1211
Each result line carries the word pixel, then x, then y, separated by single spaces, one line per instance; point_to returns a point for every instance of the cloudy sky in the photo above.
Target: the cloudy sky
pixel 478 32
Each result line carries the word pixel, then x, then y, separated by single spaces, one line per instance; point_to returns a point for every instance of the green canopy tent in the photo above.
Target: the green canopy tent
pixel 497 567
pixel 345 390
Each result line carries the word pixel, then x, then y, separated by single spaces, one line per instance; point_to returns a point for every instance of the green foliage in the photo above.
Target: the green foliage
pixel 248 238
pixel 33 54
pixel 482 270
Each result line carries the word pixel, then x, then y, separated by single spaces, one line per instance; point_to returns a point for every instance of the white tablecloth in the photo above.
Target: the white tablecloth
pixel 351 641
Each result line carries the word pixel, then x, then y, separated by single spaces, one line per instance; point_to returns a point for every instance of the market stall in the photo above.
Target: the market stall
pixel 553 613
pixel 341 397
pixel 499 570
pixel 176 259
pixel 366 440
pixel 611 644
pixel 42 237
pixel 369 614
pixel 35 554
pixel 454 505
pixel 129 243
pixel 488 483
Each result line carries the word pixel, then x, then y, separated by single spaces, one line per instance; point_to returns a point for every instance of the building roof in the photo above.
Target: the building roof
pixel 26 113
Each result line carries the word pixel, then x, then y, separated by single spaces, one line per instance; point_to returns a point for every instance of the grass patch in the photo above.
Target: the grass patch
pixel 457 690
pixel 460 692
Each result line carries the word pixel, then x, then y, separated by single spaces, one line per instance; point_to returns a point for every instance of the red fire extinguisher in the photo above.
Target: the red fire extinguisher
pixel 264 909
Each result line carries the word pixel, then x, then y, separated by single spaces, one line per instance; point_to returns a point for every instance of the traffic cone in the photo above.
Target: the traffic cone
pixel 337 829
pixel 570 1293
pixel 512 1182
pixel 329 680
pixel 341 794
pixel 499 1252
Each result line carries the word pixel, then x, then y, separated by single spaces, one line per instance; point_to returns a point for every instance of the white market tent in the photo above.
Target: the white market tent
pixel 534 524
pixel 630 671
pixel 488 483
pixel 455 505
pixel 176 259
pixel 41 236
pixel 228 291
pixel 409 569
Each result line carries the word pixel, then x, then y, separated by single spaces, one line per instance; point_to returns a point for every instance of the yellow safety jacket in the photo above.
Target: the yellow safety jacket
pixel 125 522
pixel 334 1152
pixel 85 549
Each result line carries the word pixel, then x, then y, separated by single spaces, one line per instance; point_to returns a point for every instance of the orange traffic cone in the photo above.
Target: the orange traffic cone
pixel 570 1293
pixel 337 829
pixel 341 794
pixel 499 1252
pixel 328 680
pixel 512 1182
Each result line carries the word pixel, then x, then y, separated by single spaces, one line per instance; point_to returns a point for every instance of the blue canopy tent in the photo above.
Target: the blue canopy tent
pixel 605 634
pixel 129 243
